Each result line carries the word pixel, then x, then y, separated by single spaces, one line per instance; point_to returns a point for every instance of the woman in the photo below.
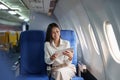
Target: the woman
pixel 62 69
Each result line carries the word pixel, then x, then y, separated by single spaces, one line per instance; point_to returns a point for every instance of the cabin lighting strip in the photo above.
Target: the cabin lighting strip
pixel 11 11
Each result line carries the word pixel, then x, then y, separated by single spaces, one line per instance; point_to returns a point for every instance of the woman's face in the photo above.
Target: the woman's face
pixel 55 33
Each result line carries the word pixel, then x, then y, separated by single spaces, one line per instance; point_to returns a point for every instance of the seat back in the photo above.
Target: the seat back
pixel 32 52
pixel 71 37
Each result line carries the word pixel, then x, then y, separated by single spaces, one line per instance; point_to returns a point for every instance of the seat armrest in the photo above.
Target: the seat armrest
pixel 81 68
pixel 49 71
pixel 16 67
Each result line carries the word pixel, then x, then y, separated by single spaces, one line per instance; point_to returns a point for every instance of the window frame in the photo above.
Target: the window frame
pixel 111 41
pixel 93 39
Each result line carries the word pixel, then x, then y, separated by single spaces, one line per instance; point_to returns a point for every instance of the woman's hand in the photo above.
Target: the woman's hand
pixel 54 56
pixel 69 54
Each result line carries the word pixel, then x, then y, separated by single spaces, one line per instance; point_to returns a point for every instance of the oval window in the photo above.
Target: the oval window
pixel 111 41
pixel 82 39
pixel 94 42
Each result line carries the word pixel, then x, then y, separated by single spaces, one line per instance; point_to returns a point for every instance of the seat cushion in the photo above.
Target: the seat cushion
pixel 77 78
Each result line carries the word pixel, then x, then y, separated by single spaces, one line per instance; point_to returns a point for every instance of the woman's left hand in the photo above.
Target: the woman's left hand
pixel 69 54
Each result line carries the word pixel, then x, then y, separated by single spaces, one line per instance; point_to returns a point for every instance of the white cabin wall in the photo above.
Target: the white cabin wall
pixel 97 15
pixel 39 21
pixel 72 15
pixel 113 10
pixel 99 12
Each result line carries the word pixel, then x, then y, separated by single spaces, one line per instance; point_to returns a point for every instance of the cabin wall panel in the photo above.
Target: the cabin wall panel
pixel 74 14
pixel 98 14
pixel 112 9
pixel 39 21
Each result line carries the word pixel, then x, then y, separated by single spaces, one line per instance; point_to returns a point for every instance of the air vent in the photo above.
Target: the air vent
pixel 42 6
pixel 52 6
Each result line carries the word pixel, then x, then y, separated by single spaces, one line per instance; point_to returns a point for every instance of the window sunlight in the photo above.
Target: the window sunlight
pixel 111 41
pixel 82 38
pixel 93 39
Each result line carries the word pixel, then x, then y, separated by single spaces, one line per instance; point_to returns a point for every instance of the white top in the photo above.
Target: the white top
pixel 50 49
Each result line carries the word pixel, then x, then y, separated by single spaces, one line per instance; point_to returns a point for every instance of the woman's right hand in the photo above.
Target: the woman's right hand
pixel 54 56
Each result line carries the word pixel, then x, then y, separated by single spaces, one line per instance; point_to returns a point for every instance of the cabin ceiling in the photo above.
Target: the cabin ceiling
pixel 23 8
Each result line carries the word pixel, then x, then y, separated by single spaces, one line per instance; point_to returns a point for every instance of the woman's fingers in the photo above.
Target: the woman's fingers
pixel 54 56
pixel 68 53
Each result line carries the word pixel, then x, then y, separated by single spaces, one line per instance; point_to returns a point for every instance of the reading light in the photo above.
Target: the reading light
pixel 13 11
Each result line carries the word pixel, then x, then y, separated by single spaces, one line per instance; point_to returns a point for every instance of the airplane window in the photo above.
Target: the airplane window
pixel 93 39
pixel 24 27
pixel 83 38
pixel 111 41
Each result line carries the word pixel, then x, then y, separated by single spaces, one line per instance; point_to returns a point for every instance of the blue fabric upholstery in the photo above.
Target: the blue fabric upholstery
pixel 32 65
pixel 33 77
pixel 71 37
pixel 77 78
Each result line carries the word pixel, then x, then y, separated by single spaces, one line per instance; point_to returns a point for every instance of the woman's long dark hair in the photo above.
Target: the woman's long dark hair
pixel 49 32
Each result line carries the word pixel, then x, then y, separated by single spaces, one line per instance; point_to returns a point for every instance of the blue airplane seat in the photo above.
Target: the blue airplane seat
pixel 71 37
pixel 32 65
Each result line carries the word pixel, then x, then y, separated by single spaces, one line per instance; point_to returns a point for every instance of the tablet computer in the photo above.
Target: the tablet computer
pixel 60 52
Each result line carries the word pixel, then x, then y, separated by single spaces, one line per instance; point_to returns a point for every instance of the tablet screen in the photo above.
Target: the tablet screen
pixel 60 52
